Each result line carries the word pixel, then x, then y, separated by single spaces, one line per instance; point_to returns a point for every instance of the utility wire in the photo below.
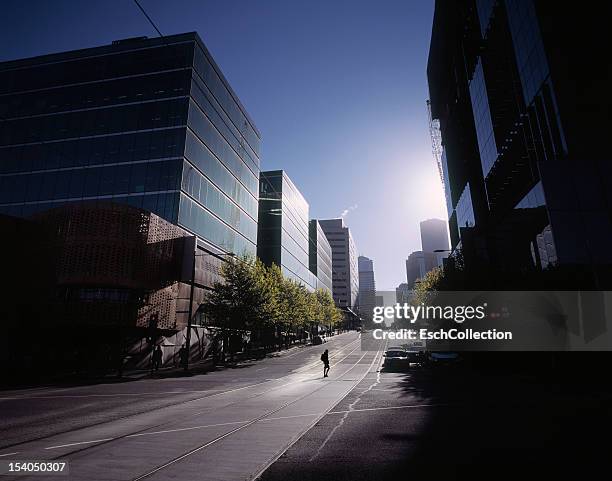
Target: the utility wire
pixel 310 241
pixel 148 18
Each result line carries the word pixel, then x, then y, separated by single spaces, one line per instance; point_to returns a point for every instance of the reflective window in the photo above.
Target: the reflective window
pixel 533 199
pixel 210 197
pixel 211 78
pixel 482 120
pixel 485 9
pixel 154 115
pixel 465 209
pixel 210 136
pixel 198 220
pixel 95 68
pixel 205 161
pixel 528 46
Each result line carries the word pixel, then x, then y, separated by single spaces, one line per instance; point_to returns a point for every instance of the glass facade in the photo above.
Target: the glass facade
pixel 482 119
pixel 485 9
pixel 533 199
pixel 528 46
pixel 149 123
pixel 465 210
pixel 283 230
pixel 320 256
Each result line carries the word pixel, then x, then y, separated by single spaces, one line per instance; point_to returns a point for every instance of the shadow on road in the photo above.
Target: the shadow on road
pixel 471 421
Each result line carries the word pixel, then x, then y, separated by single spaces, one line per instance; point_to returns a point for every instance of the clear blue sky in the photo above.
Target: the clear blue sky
pixel 337 89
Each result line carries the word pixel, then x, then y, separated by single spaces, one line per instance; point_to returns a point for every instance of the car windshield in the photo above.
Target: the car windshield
pixel 395 353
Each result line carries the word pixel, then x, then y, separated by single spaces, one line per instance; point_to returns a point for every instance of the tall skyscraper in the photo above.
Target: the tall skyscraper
pixel 345 276
pixel 522 109
pixel 152 123
pixel 366 300
pixel 418 264
pixel 140 125
pixel 434 235
pixel 320 256
pixel 284 236
pixel 403 293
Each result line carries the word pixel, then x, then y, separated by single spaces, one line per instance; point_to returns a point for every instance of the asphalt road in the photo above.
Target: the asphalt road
pixel 223 425
pixel 446 424
pixel 280 420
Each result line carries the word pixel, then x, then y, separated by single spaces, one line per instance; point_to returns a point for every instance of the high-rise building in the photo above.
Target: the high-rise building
pixel 522 105
pixel 403 293
pixel 152 123
pixel 284 236
pixel 418 264
pixel 366 300
pixel 149 124
pixel 345 277
pixel 320 256
pixel 434 235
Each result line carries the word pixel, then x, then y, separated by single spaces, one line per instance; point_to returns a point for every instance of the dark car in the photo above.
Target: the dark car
pixel 396 359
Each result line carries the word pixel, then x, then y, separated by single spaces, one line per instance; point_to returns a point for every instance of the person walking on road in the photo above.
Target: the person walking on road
pixel 325 359
pixel 157 358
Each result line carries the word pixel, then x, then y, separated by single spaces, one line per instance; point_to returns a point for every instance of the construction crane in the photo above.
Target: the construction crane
pixel 436 140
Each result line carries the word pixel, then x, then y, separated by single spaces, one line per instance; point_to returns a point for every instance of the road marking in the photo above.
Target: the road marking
pixel 185 429
pixel 167 431
pixel 70 396
pixel 244 423
pixel 79 443
pixel 290 417
pixel 8 454
pixel 253 421
pixel 407 406
pixel 351 407
pixel 315 421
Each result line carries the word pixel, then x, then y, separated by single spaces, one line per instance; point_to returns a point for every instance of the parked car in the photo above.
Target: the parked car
pixel 316 340
pixel 396 359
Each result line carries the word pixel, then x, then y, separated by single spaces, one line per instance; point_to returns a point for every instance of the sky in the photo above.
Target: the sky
pixel 336 88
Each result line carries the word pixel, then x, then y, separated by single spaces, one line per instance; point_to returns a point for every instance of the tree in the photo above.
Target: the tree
pixel 429 283
pixel 246 298
pixel 330 314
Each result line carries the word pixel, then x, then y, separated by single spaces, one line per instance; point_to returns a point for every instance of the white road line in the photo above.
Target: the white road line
pixel 186 429
pixel 407 406
pixel 8 454
pixel 343 419
pixel 239 428
pixel 168 431
pixel 214 395
pixel 290 417
pixel 70 396
pixel 79 443
pixel 318 418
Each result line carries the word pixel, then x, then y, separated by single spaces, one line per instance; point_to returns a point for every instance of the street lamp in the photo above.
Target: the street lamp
pixel 190 314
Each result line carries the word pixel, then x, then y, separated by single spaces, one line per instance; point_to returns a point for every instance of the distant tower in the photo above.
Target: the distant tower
pixel 367 288
pixel 434 235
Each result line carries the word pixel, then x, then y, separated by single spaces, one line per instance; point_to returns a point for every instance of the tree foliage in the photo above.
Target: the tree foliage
pixel 254 296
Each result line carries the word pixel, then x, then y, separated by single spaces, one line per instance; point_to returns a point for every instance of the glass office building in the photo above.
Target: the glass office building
pixel 320 256
pixel 151 123
pixel 522 102
pixel 283 237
